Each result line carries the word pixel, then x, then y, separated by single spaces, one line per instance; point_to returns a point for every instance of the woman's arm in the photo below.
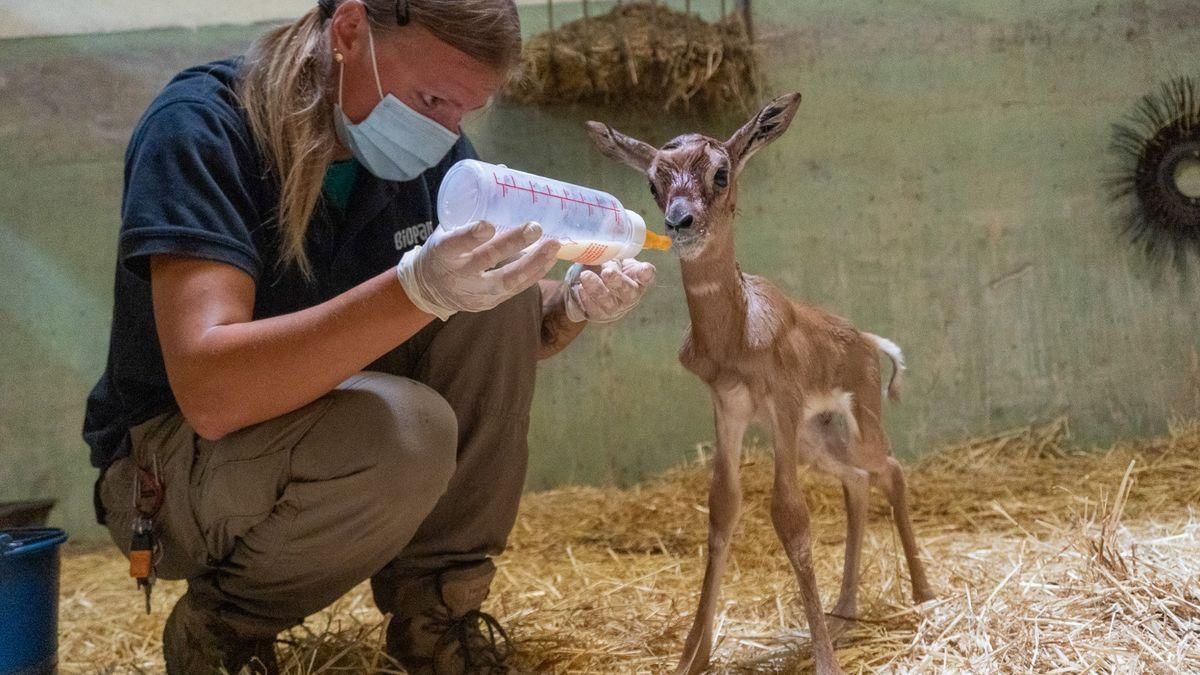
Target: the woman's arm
pixel 558 331
pixel 599 294
pixel 229 372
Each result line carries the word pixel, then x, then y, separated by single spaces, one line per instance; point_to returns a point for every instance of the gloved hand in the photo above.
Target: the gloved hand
pixel 461 270
pixel 606 293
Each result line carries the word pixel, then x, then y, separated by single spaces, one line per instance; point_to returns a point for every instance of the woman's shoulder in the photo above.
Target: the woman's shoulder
pixel 198 107
pixel 200 95
pixel 214 82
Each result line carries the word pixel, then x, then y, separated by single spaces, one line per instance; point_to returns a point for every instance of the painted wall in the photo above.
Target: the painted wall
pixel 30 18
pixel 942 185
pixel 25 18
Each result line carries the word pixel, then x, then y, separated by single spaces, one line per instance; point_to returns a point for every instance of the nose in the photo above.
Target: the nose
pixel 678 217
pixel 680 224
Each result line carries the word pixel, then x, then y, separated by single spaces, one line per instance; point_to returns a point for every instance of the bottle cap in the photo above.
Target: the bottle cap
pixel 636 239
pixel 642 237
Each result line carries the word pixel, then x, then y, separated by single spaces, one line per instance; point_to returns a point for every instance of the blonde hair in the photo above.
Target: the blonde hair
pixel 288 94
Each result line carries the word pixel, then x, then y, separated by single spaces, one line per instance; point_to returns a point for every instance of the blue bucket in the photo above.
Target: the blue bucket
pixel 29 600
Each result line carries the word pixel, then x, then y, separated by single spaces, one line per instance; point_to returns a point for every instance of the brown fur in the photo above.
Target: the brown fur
pixel 810 375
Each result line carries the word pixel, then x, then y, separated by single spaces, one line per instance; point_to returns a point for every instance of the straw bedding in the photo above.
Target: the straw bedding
pixel 1045 558
pixel 641 54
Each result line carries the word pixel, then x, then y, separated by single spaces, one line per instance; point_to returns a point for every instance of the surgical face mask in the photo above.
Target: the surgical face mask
pixel 394 142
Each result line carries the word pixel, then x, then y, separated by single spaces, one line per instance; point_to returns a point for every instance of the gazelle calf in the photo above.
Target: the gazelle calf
pixel 810 375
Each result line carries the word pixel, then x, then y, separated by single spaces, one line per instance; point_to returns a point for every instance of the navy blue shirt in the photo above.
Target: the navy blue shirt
pixel 196 185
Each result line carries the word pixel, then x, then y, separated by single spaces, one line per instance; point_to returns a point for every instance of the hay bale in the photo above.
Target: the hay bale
pixel 641 54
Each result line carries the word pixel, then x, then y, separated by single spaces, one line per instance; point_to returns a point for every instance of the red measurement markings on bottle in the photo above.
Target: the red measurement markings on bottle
pixel 563 200
pixel 592 253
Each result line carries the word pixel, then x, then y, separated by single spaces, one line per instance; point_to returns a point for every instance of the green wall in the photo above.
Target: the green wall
pixel 942 185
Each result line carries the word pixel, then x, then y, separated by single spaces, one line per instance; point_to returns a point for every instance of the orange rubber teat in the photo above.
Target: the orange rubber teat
pixel 657 242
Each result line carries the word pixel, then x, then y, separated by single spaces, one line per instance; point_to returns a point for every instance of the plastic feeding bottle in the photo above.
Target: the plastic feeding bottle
pixel 591 225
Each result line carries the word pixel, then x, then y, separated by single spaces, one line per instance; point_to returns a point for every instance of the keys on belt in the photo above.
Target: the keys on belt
pixel 144 549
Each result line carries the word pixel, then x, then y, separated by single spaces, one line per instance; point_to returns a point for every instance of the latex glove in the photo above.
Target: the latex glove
pixel 607 293
pixel 472 269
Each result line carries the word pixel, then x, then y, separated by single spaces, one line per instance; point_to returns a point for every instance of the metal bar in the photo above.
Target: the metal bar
pixel 586 14
pixel 748 16
pixel 687 6
pixel 723 14
pixel 550 13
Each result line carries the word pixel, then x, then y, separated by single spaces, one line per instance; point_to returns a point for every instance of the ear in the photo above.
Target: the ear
pixel 625 149
pixel 346 29
pixel 766 126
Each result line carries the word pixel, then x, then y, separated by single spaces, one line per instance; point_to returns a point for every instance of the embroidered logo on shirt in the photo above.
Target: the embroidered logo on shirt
pixel 412 235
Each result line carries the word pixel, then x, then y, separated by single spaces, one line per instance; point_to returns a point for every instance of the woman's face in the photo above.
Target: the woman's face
pixel 425 73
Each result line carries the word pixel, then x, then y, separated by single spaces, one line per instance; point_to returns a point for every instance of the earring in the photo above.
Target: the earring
pixel 337 56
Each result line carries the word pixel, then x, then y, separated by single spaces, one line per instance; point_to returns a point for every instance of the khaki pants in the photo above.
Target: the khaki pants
pixel 411 467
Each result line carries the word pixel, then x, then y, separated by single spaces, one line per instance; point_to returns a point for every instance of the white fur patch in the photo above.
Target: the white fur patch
pixel 705 288
pixel 837 401
pixel 892 388
pixel 888 347
pixel 763 323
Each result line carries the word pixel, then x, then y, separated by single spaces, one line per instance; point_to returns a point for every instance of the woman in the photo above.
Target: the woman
pixel 298 397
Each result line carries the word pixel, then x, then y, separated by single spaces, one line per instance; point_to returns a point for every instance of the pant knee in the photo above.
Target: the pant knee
pixel 413 430
pixel 397 436
pixel 431 440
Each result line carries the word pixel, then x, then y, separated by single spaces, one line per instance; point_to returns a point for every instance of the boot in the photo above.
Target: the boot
pixel 197 642
pixel 438 629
